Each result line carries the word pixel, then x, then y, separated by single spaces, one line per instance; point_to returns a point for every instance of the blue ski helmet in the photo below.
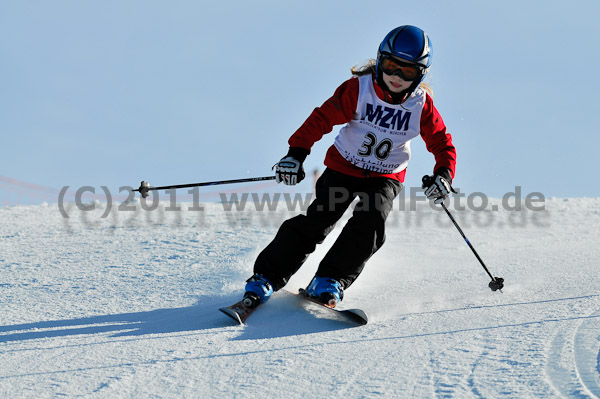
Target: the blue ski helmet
pixel 407 43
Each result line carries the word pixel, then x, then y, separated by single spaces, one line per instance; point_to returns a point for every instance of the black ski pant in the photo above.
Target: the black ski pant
pixel 361 237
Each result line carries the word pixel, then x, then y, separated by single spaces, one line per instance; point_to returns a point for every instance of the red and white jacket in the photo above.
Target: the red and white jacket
pixel 375 142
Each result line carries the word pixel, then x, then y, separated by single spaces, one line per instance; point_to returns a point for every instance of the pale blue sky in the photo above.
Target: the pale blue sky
pixel 113 92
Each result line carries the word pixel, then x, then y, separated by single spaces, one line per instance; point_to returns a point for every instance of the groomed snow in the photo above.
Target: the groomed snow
pixel 125 306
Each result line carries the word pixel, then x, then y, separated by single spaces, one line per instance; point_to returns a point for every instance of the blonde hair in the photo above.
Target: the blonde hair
pixel 369 68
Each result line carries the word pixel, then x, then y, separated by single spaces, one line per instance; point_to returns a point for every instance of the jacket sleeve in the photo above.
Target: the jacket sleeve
pixel 337 110
pixel 437 140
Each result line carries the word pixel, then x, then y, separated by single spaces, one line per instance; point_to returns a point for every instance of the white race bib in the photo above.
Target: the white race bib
pixel 378 136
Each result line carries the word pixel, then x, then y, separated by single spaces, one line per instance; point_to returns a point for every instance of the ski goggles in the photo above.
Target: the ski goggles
pixel 409 72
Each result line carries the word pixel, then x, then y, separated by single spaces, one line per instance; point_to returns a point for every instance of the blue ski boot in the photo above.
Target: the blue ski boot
pixel 258 291
pixel 325 290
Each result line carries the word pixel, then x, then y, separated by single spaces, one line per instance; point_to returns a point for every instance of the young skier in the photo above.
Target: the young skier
pixel 384 105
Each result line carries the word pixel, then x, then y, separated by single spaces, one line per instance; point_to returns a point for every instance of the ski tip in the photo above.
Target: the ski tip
pixel 231 313
pixel 358 316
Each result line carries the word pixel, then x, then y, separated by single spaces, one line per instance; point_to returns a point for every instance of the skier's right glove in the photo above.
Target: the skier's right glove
pixel 438 186
pixel 289 170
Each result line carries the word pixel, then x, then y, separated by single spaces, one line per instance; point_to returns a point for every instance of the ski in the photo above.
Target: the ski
pixel 357 316
pixel 238 311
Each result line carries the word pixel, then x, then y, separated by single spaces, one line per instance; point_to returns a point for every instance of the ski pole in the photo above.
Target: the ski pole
pixel 145 186
pixel 497 283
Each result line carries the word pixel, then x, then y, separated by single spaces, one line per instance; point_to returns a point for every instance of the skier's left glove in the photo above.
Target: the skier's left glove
pixel 289 170
pixel 438 186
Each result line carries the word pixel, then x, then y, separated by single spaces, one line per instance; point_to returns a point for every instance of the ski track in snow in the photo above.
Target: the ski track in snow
pixel 573 366
pixel 126 306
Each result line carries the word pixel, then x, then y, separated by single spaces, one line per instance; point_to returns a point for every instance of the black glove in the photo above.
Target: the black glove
pixel 289 169
pixel 438 186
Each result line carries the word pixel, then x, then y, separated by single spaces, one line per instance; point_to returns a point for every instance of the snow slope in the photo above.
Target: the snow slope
pixel 125 306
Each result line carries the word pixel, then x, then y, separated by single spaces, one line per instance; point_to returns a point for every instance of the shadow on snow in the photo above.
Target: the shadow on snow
pixel 283 316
